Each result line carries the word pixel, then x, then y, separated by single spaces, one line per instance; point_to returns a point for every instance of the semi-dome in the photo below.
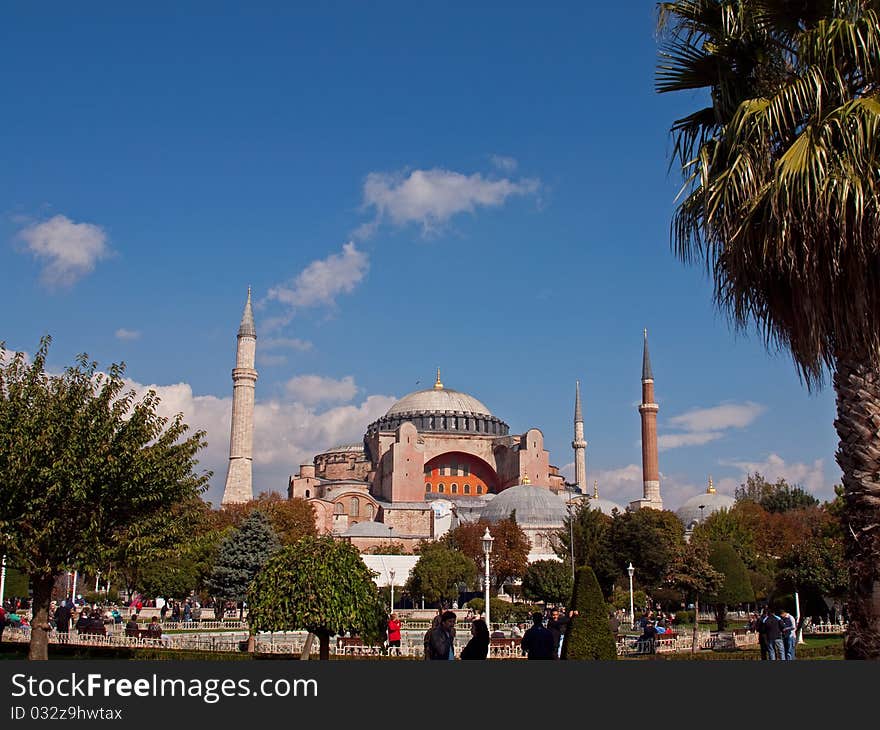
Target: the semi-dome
pixel 532 505
pixel 690 513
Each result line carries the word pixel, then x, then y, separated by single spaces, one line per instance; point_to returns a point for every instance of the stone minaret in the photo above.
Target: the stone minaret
pixel 239 483
pixel 648 410
pixel 579 444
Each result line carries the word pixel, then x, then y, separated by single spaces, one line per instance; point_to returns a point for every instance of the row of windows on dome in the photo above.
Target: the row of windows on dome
pixel 453 488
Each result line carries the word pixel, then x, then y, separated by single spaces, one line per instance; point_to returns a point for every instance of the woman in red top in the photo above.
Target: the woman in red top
pixel 394 633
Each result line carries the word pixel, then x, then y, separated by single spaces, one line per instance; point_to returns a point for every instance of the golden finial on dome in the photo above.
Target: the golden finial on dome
pixel 711 487
pixel 596 489
pixel 438 385
pixel 526 480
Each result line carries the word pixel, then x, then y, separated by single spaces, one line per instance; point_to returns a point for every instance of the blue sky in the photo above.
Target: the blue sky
pixel 405 186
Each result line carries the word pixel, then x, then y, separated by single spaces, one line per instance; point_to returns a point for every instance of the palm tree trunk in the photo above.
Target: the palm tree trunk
pixel 39 645
pixel 858 454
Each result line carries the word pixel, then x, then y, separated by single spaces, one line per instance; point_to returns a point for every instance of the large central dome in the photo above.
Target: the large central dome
pixel 443 410
pixel 438 400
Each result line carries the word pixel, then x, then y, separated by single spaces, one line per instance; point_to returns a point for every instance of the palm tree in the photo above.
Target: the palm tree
pixel 780 202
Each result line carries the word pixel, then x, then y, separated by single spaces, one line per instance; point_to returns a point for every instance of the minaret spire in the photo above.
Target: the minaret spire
pixel 578 443
pixel 648 411
pixel 438 385
pixel 239 477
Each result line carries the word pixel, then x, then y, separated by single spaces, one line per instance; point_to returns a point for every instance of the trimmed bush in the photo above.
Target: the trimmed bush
pixel 589 634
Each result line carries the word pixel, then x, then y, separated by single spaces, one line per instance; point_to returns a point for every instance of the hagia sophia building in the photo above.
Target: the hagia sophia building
pixel 438 458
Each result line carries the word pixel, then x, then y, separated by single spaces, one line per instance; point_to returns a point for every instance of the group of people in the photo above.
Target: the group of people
pixel 538 642
pixel 777 634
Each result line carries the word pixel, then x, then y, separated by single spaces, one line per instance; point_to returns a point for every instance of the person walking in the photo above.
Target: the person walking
pixel 62 617
pixel 441 642
pixel 478 646
pixel 538 642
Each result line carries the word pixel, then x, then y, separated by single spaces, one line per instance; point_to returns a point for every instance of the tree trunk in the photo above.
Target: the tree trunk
pixel 858 454
pixel 323 644
pixel 721 616
pixel 39 646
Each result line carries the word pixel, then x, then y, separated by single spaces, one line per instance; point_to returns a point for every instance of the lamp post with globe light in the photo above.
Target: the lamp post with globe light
pixel 391 575
pixel 487 550
pixel 632 617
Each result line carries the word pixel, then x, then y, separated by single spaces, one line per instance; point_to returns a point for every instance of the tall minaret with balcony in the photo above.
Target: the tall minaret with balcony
pixel 579 444
pixel 239 477
pixel 648 410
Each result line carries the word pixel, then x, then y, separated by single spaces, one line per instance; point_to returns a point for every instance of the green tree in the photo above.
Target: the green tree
pixel 90 463
pixel 438 573
pixel 692 573
pixel 589 635
pixel 548 581
pixel 510 549
pixel 320 585
pixel 649 539
pixel 291 519
pixel 780 204
pixel 776 498
pixel 590 529
pixel 735 587
pixel 241 556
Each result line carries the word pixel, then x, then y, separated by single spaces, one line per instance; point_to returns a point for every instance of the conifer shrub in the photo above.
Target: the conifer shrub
pixel 589 635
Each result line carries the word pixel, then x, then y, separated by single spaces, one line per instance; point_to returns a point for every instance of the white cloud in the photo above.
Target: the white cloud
pixel 285 343
pixel 287 432
pixel 271 360
pixel 323 280
pixel 69 250
pixel 503 162
pixel 125 334
pixel 717 418
pixel 810 477
pixel 431 197
pixel 313 389
pixel 621 485
pixel 674 440
pixel 702 425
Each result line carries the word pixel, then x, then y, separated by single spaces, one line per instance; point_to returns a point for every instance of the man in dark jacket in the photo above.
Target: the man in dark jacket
pixel 773 631
pixel 62 617
pixel 440 641
pixel 539 642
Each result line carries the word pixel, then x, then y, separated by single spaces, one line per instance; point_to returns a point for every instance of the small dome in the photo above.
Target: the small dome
pixel 690 513
pixel 605 506
pixel 369 528
pixel 533 506
pixel 438 400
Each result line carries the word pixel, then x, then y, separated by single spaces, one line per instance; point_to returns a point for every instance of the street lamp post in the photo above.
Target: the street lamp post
pixel 487 550
pixel 702 507
pixel 632 617
pixel 2 580
pixel 391 575
pixel 97 576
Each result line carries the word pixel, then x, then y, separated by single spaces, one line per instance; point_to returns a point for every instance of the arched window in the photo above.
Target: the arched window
pixel 467 488
pixel 455 489
pixel 370 511
pixel 428 487
pixel 353 507
pixel 441 488
pixel 338 508
pixel 479 489
pixel 307 494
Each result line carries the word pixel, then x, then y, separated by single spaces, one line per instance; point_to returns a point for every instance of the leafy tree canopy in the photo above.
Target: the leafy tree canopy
pixel 291 519
pixel 439 573
pixel 777 497
pixel 510 550
pixel 90 469
pixel 320 585
pixel 589 635
pixel 590 529
pixel 548 581
pixel 648 538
